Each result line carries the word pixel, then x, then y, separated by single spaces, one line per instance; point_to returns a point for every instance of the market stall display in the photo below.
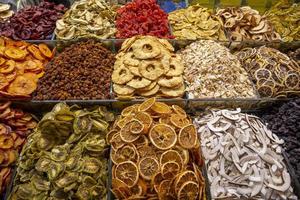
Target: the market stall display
pixel 15 126
pixel 5 12
pixel 275 74
pixel 142 17
pixel 87 18
pixel 211 71
pixel 155 153
pixel 285 123
pixel 196 22
pixel 21 66
pixel 245 23
pixel 81 71
pixel 243 157
pixel 33 23
pixel 147 66
pixel 65 156
pixel 285 18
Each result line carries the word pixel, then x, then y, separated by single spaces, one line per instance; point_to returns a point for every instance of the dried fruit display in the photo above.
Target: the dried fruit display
pixel 87 18
pixel 295 55
pixel 81 71
pixel 275 74
pixel 211 71
pixel 142 17
pixel 196 22
pixel 21 65
pixel 285 123
pixel 155 153
pixel 243 157
pixel 147 66
pixel 285 19
pixel 33 23
pixel 65 156
pixel 15 126
pixel 245 23
pixel 5 11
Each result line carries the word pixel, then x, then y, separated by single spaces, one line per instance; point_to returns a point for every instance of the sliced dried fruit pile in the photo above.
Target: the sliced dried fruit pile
pixel 275 74
pixel 5 11
pixel 196 22
pixel 65 156
pixel 211 71
pixel 285 16
pixel 243 157
pixel 245 23
pixel 142 17
pixel 82 71
pixel 155 153
pixel 148 66
pixel 15 126
pixel 21 65
pixel 285 122
pixel 87 18
pixel 34 22
pixel 295 54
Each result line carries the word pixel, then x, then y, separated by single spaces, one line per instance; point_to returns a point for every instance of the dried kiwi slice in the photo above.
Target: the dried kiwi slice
pixel 59 153
pixel 66 180
pixel 91 165
pixel 40 183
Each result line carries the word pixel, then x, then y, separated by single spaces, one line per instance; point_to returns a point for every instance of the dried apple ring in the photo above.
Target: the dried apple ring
pixel 163 136
pixel 149 87
pixel 170 81
pixel 138 82
pixel 45 50
pixel 8 67
pixel 128 173
pixel 134 70
pixel 22 85
pixel 187 137
pixel 148 167
pixel 176 67
pixel 15 53
pixel 123 89
pixel 173 92
pixel 151 70
pixel 6 142
pixel 149 93
pixel 145 49
pixel 121 75
pixel 130 60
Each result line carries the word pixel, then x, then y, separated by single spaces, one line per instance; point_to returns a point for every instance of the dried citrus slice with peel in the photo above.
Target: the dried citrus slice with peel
pixel 292 80
pixel 163 189
pixel 161 108
pixel 126 134
pixel 164 119
pixel 128 173
pixel 125 153
pixel 178 120
pixel 146 151
pixel 156 180
pixel 178 110
pixel 184 153
pixel 146 105
pixel 262 73
pixel 148 167
pixel 122 122
pixel 170 156
pixel 110 135
pixel 189 190
pixel 187 137
pixel 183 178
pixel 146 120
pixel 128 110
pixel 170 169
pixel 163 136
pixel 136 127
pixel 120 189
pixel 265 91
pixel 116 141
pixel 142 141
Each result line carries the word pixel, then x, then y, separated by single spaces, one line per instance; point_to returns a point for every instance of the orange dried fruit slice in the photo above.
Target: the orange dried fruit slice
pixel 292 80
pixel 8 67
pixel 170 169
pixel 116 141
pixel 44 49
pixel 22 85
pixel 120 189
pixel 142 141
pixel 187 137
pixel 110 135
pixel 146 105
pixel 265 91
pixel 171 156
pixel 178 110
pixel 3 82
pixel 136 127
pixel 178 120
pixel 189 190
pixel 126 134
pixel 262 74
pixel 146 151
pixel 156 180
pixel 148 167
pixel 122 122
pixel 2 61
pixel 163 189
pixel 35 52
pixel 127 172
pixel 183 178
pixel 184 153
pixel 11 76
pixel 163 136
pixel 30 65
pixel 6 142
pixel 128 110
pixel 146 120
pixel 164 119
pixel 125 153
pixel 161 108
pixel 15 53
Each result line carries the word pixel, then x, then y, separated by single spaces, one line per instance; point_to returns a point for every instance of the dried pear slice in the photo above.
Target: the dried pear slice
pixel 92 165
pixel 40 183
pixel 66 180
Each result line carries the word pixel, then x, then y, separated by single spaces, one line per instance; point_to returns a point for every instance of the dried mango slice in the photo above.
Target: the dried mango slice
pixel 15 53
pixel 45 50
pixel 22 85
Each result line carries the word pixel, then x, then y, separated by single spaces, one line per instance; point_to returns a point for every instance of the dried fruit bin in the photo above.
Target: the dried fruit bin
pixel 295 182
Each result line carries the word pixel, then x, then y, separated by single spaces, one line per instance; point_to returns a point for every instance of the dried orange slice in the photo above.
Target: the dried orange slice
pixel 187 137
pixel 163 189
pixel 148 167
pixel 116 141
pixel 163 136
pixel 126 134
pixel 170 169
pixel 128 110
pixel 110 135
pixel 170 156
pixel 262 73
pixel 178 120
pixel 142 141
pixel 146 105
pixel 122 122
pixel 146 120
pixel 178 110
pixel 156 180
pixel 3 82
pixel 184 153
pixel 8 67
pixel 292 80
pixel 189 190
pixel 22 85
pixel 146 151
pixel 125 153
pixel 136 127
pixel 120 189
pixel 15 53
pixel 265 91
pixel 183 178
pixel 161 108
pixel 127 172
pixel 45 50
pixel 35 52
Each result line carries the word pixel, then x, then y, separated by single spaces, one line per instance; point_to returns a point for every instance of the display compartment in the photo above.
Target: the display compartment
pixel 295 182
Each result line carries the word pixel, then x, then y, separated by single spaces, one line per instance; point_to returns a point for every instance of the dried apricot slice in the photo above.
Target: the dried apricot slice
pixel 127 172
pixel 178 120
pixel 187 137
pixel 45 50
pixel 148 166
pixel 163 136
pixel 146 105
pixel 15 53
pixel 189 190
pixel 22 85
pixel 170 169
pixel 161 108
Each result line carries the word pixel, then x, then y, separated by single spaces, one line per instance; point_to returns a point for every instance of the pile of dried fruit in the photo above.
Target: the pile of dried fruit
pixel 147 66
pixel 275 74
pixel 15 126
pixel 21 65
pixel 285 122
pixel 245 23
pixel 285 19
pixel 65 157
pixel 142 17
pixel 295 55
pixel 35 22
pixel 81 71
pixel 211 71
pixel 5 12
pixel 243 157
pixel 87 18
pixel 155 154
pixel 196 22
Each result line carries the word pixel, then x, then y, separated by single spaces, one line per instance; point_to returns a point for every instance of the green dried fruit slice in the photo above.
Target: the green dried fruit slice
pixel 40 183
pixel 59 153
pixel 46 143
pixel 43 164
pixel 70 187
pixel 82 193
pixel 71 162
pixel 95 145
pixel 89 181
pixel 54 170
pixel 26 191
pixel 91 165
pixel 66 180
pixel 100 125
pixel 82 124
